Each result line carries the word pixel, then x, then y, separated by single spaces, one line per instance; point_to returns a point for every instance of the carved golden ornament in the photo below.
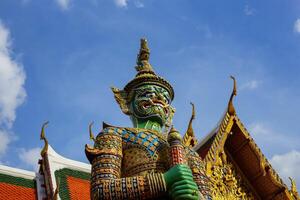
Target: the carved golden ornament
pixel 231 109
pixel 189 138
pixel 226 184
pixel 43 137
pixel 92 137
pixel 293 191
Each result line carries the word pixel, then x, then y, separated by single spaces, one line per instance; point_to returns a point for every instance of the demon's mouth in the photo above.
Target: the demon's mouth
pixel 154 102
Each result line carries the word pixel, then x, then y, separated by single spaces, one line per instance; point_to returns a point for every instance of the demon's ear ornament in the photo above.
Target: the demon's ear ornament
pixel 168 124
pixel 121 97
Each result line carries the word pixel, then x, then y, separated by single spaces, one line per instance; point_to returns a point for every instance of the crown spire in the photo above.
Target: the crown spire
pixel 142 62
pixel 145 76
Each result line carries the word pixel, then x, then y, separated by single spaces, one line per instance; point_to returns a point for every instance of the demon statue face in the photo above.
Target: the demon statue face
pixel 151 102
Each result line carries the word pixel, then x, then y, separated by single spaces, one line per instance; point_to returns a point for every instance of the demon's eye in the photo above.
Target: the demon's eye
pixel 149 94
pixel 166 100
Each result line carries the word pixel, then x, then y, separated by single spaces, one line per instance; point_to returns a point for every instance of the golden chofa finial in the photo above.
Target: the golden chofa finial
pixel 293 189
pixel 92 137
pixel 189 138
pixel 43 137
pixel 231 109
pixel 143 57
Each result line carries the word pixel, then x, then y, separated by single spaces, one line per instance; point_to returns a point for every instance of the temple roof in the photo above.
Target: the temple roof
pixel 230 139
pixel 66 178
pixel 17 184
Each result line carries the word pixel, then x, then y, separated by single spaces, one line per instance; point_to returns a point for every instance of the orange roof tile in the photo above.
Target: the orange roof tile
pixel 78 188
pixel 13 192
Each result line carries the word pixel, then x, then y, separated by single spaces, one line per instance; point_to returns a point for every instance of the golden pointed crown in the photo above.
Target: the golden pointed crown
pixel 146 74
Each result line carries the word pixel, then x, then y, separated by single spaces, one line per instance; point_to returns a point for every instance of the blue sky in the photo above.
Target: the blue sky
pixel 58 59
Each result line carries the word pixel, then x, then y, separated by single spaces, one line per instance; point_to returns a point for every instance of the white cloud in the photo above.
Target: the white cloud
pixel 63 4
pixel 251 85
pixel 30 157
pixel 287 165
pixel 12 92
pixel 139 4
pixel 121 3
pixel 267 138
pixel 259 129
pixel 249 11
pixel 4 141
pixel 12 79
pixel 297 26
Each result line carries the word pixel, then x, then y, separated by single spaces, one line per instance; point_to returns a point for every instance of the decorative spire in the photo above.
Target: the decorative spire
pixel 189 138
pixel 142 62
pixel 43 137
pixel 92 137
pixel 231 109
pixel 145 76
pixel 293 189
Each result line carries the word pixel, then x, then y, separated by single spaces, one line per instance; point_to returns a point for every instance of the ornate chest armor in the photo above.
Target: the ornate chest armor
pixel 143 152
pixel 129 162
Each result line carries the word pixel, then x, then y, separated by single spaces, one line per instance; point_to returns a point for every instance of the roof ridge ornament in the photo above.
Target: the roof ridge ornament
pixel 92 137
pixel 189 138
pixel 231 109
pixel 293 189
pixel 43 137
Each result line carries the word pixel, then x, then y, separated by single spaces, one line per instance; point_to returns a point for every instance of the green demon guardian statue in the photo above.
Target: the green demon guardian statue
pixel 148 161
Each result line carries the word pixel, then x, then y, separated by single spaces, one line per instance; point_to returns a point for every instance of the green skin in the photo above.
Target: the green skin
pixel 150 108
